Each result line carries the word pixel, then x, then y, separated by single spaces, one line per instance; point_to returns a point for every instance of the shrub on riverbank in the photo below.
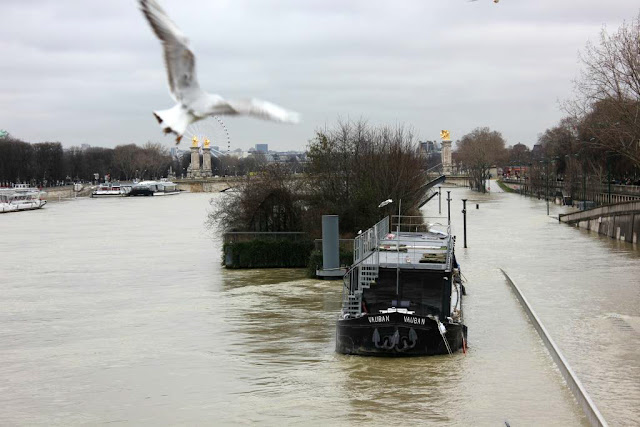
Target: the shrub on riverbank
pixel 263 253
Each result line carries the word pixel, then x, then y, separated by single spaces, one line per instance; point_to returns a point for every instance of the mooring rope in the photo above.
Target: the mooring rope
pixel 446 343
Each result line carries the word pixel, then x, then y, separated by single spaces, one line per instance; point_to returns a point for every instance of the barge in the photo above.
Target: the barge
pixel 403 294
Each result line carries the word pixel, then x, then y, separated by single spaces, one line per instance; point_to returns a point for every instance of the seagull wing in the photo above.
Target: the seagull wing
pixel 262 109
pixel 179 60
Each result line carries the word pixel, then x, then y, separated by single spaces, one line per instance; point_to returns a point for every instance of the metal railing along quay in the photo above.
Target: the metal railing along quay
pixel 598 192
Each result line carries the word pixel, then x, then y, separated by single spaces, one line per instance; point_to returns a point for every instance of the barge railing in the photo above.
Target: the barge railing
pixel 421 223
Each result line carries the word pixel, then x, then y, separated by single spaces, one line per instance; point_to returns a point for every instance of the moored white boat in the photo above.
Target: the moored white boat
pixel 20 198
pixel 166 188
pixel 155 188
pixel 111 189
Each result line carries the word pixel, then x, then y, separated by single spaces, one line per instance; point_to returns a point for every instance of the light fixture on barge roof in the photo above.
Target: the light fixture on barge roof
pixel 385 203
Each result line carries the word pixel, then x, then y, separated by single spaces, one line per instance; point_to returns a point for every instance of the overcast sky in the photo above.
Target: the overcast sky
pixel 88 71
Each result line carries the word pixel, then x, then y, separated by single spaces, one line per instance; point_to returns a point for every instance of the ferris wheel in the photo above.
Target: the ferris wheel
pixel 210 132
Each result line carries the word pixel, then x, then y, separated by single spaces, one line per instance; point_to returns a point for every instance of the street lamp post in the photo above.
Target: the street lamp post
pixel 545 162
pixel 608 178
pixel 464 218
pixel 584 189
pixel 383 204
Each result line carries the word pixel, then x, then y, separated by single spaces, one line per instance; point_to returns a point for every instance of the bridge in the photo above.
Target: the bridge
pixel 224 183
pixel 458 180
pixel 209 185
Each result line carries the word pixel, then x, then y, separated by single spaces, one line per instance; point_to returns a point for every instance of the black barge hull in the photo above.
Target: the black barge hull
pixel 397 334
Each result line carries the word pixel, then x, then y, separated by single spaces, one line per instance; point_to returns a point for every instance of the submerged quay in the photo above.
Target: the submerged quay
pixel 139 323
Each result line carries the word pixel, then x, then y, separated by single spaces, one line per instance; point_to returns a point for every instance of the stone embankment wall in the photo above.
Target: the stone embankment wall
pixel 210 185
pixel 203 187
pixel 55 194
pixel 620 221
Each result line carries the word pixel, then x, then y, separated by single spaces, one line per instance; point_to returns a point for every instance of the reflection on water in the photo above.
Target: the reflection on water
pixel 119 311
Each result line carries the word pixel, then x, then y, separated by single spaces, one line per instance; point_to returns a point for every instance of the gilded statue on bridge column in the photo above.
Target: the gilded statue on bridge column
pixel 444 134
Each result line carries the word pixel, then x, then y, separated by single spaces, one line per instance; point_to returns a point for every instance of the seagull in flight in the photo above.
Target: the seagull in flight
pixel 193 103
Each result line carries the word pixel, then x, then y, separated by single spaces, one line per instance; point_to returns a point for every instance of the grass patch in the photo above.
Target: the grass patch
pixel 504 187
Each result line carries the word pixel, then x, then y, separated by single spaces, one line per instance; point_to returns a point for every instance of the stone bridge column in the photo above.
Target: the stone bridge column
pixel 206 161
pixel 194 168
pixel 447 166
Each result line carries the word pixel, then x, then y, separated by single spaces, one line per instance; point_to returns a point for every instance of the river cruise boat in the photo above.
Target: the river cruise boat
pixel 155 188
pixel 21 198
pixel 403 294
pixel 109 189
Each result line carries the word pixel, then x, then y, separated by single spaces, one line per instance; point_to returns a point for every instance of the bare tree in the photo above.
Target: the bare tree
pixel 124 158
pixel 608 92
pixel 518 155
pixel 267 202
pixel 155 159
pixel 478 151
pixel 354 166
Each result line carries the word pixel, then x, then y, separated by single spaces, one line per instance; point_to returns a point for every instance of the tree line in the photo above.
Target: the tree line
pixel 48 163
pixel 598 140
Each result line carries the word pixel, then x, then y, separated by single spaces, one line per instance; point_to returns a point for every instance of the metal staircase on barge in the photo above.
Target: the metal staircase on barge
pixel 364 270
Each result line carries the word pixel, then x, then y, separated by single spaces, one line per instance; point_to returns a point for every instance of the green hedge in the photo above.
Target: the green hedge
pixel 315 261
pixel 267 254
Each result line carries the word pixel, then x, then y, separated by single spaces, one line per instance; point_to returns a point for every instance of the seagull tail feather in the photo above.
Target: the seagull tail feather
pixel 174 120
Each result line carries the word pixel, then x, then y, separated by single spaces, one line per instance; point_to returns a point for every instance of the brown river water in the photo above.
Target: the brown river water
pixel 117 311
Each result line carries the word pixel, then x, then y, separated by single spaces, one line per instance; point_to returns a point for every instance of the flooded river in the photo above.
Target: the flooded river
pixel 118 312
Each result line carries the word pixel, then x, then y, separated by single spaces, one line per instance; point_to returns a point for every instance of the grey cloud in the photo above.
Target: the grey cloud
pixel 87 71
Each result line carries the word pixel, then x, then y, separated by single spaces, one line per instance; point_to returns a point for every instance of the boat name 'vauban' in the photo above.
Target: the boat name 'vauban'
pixel 414 320
pixel 407 319
pixel 378 319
